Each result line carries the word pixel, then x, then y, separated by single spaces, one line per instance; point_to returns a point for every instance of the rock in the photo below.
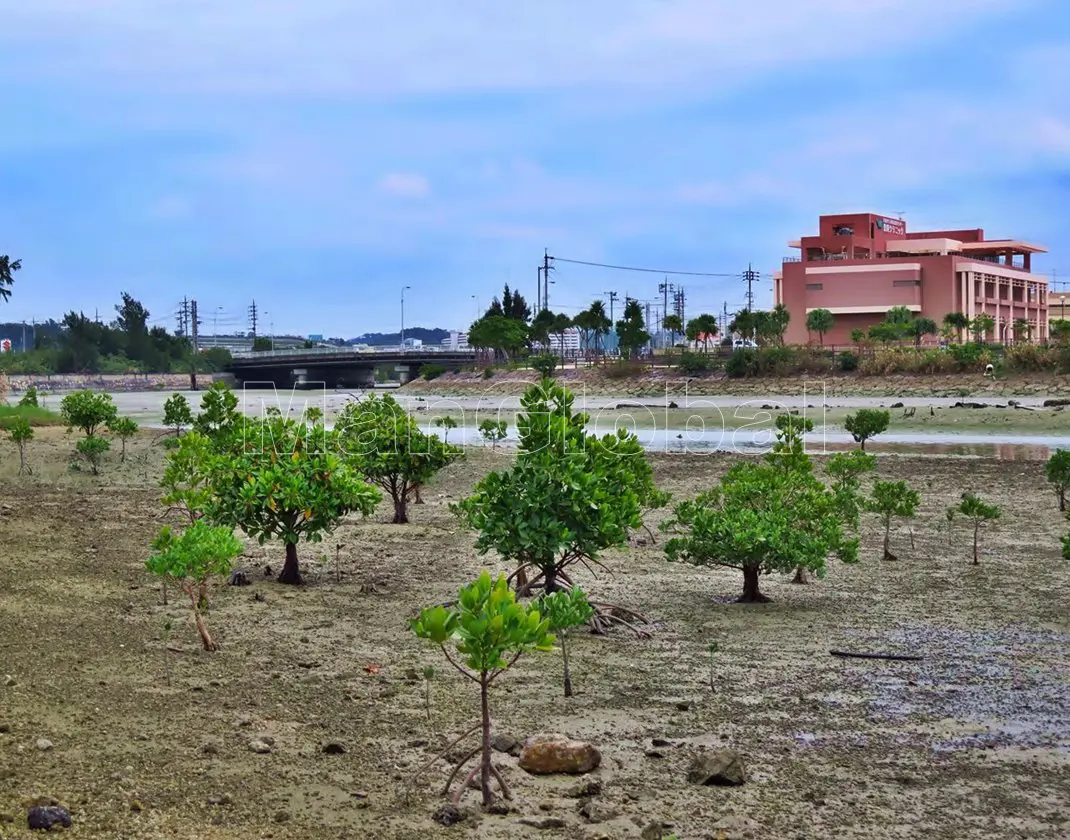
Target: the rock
pixel 499 807
pixel 660 742
pixel 9 681
pixel 1056 403
pixel 416 743
pixel 45 817
pixel 591 787
pixel 244 721
pixel 896 405
pixel 210 748
pixel 598 812
pixel 44 745
pixel 553 753
pixel 281 816
pixel 654 754
pixel 653 831
pixel 223 799
pixel 719 767
pixel 259 746
pixel 334 748
pixel 506 744
pixel 543 822
pixel 5 728
pixel 136 806
pixel 448 814
pixel 685 705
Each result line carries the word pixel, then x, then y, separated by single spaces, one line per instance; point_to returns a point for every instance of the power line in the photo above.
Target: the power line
pixel 644 270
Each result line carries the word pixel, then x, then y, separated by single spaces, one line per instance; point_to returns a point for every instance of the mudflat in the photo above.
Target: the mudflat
pixel 151 736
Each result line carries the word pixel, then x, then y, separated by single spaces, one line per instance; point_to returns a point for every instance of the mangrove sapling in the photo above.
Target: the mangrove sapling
pixel 177 414
pixel 168 624
pixel 568 497
pixel 445 423
pixel 949 515
pixel 846 470
pixel 979 511
pixel 492 431
pixel 284 482
pixel 565 609
pixel 489 631
pixel 866 423
pixel 193 560
pixel 21 432
pixel 122 428
pixel 1057 471
pixel 386 445
pixel 762 519
pixel 29 398
pixel 891 499
pixel 93 449
pixel 87 410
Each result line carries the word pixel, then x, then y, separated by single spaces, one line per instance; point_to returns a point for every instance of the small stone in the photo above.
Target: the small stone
pixel 592 787
pixel 210 748
pixel 46 817
pixel 448 814
pixel 553 753
pixel 685 705
pixel 239 578
pixel 136 806
pixel 359 794
pixel 44 745
pixel 334 748
pixel 281 816
pixel 5 728
pixel 653 831
pixel 141 736
pixel 259 746
pixel 660 742
pixel 506 744
pixel 243 721
pixel 416 743
pixel 546 806
pixel 499 807
pixel 719 767
pixel 598 812
pixel 223 799
pixel 9 680
pixel 655 754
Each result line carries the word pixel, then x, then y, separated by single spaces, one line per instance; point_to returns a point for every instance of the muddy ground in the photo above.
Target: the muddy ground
pixel 974 741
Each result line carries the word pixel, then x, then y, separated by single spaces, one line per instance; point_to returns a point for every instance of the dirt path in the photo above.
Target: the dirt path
pixel 971 742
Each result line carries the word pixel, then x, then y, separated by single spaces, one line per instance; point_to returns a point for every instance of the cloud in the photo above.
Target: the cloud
pixel 404 185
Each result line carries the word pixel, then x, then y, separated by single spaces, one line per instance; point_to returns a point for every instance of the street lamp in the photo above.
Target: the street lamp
pixel 474 298
pixel 403 288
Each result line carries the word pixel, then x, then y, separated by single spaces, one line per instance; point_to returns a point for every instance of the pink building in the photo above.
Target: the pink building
pixel 861 265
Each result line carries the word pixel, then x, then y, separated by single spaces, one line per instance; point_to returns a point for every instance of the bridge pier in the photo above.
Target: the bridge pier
pixel 406 373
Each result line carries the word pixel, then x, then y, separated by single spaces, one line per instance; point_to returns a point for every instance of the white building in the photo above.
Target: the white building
pixel 455 341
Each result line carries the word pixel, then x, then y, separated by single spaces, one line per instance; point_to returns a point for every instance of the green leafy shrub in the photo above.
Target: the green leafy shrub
pixel 386 445
pixel 432 372
pixel 492 431
pixel 488 631
pixel 92 449
pixel 219 417
pixel 565 609
pixel 29 398
pixel 544 364
pixel 446 423
pixel 1057 471
pixel 846 470
pixel 978 511
pixel 695 364
pixel 177 414
pixel 87 410
pixel 488 372
pixel 847 360
pixel 122 428
pixel 193 559
pixel 866 423
pixel 889 500
pixel 21 432
pixel 772 517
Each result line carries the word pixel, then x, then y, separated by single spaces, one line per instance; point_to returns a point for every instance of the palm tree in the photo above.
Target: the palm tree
pixel 8 267
pixel 561 323
pixel 673 324
pixel 1022 330
pixel 919 327
pixel 819 321
pixel 957 322
pixel 600 323
pixel 981 326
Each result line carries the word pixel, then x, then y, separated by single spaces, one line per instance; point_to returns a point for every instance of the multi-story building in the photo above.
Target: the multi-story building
pixel 860 265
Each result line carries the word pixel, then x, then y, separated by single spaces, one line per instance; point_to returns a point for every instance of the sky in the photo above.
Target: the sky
pixel 318 156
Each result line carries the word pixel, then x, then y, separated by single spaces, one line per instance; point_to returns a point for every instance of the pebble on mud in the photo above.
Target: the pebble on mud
pixel 334 748
pixel 259 746
pixel 44 745
pixel 47 817
pixel 448 814
pixel 553 753
pixel 719 767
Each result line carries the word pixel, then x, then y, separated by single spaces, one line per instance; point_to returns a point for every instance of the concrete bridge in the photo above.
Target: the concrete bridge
pixel 338 366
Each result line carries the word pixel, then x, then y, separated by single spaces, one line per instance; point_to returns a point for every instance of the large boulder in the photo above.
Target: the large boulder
pixel 47 817
pixel 719 767
pixel 553 753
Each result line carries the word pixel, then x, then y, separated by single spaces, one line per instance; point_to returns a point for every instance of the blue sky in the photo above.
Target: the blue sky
pixel 319 155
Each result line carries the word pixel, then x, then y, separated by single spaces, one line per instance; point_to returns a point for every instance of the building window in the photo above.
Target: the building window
pixel 814 287
pixel 902 284
pixel 843 230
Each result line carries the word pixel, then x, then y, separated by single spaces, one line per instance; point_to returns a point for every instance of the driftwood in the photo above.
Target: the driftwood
pixel 892 656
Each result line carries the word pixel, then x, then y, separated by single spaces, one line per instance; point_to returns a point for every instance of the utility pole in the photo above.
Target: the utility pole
pixel 196 345
pixel 252 318
pixel 612 300
pixel 751 277
pixel 678 300
pixel 546 269
pixel 666 288
pixel 183 318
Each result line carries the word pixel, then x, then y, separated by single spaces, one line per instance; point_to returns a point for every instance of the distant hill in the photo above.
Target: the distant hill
pixel 427 336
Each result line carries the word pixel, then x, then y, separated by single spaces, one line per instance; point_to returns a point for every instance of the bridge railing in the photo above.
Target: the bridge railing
pixel 334 351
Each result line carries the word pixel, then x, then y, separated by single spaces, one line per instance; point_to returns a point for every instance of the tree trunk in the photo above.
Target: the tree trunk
pixel 122 453
pixel 485 771
pixel 800 575
pixel 198 617
pixel 401 510
pixel 862 443
pixel 887 538
pixel 564 654
pixel 22 460
pixel 550 578
pixel 291 572
pixel 751 595
pixel 1062 499
pixel 976 529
